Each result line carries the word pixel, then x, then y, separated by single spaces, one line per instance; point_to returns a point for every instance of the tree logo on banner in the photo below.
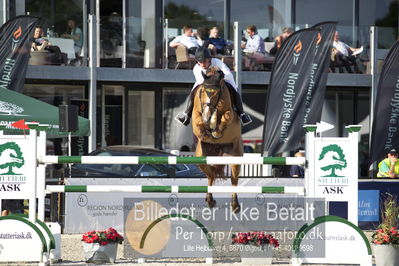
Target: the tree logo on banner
pixel 333 158
pixel 10 156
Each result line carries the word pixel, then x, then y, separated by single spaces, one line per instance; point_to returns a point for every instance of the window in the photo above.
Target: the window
pixel 311 12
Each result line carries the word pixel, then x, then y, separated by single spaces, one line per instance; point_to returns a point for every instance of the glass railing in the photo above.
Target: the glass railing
pixel 144 48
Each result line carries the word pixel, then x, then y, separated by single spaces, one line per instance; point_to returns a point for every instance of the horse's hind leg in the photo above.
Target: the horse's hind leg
pixel 209 198
pixel 235 171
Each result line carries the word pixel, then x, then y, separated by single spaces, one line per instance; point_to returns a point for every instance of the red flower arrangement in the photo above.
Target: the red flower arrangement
pixel 387 232
pixel 102 237
pixel 386 235
pixel 254 238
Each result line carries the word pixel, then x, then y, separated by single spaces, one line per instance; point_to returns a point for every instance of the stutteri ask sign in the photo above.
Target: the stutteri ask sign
pixel 335 169
pixel 333 175
pixel 17 167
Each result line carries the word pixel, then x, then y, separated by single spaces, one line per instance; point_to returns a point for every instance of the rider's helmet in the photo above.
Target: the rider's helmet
pixel 202 53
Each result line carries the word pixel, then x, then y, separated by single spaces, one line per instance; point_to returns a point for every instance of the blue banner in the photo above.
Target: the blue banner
pixel 369 205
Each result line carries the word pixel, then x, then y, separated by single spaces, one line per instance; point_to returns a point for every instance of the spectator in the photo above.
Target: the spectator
pixel 75 33
pixel 12 206
pixel 389 167
pixel 204 62
pixel 216 44
pixel 187 39
pixel 297 170
pixel 278 41
pixel 343 56
pixel 39 42
pixel 254 47
pixel 254 44
pixel 202 36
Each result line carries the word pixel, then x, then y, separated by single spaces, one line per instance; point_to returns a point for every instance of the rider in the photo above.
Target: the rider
pixel 205 61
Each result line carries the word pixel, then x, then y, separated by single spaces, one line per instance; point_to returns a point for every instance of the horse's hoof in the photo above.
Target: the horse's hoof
pixel 216 135
pixel 211 203
pixel 236 208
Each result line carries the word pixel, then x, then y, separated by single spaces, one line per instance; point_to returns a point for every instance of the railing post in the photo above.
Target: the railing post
pixel 165 34
pixel 374 79
pixel 310 159
pixel 92 82
pixel 237 54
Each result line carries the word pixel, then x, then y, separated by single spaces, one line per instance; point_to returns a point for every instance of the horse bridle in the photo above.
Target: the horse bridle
pixel 212 107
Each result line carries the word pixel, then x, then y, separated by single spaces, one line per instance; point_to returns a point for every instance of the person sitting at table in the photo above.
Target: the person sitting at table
pixel 254 47
pixel 187 39
pixel 343 55
pixel 278 41
pixel 216 44
pixel 39 42
pixel 202 35
pixel 75 33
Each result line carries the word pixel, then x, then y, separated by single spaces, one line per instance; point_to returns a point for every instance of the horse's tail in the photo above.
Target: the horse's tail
pixel 219 172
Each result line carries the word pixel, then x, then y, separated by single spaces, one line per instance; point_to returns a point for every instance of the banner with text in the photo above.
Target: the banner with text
pixel 385 133
pixel 318 75
pixel 287 91
pixel 15 45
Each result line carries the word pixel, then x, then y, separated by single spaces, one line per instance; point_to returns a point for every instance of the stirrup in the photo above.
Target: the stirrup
pixel 182 118
pixel 245 119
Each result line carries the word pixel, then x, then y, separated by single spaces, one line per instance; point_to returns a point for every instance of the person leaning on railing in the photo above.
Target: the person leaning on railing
pixel 389 167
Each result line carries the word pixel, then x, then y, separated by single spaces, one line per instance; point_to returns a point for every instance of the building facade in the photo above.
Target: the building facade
pixel 127 70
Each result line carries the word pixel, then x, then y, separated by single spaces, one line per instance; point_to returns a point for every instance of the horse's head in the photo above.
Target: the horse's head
pixel 211 93
pixel 213 79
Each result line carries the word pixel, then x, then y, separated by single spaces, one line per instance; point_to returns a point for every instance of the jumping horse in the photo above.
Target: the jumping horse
pixel 217 128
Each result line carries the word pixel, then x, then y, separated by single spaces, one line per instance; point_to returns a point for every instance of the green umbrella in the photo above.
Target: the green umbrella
pixel 15 106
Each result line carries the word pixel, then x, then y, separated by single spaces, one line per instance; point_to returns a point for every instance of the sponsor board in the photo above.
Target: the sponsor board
pixel 20 235
pixel 334 174
pixel 369 205
pixel 341 242
pixel 176 226
pixel 17 166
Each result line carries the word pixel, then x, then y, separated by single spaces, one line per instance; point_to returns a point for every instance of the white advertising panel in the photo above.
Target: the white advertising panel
pixel 335 169
pixel 335 241
pixel 17 166
pixel 19 241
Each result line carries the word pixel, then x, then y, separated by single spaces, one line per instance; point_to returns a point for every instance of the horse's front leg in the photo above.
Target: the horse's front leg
pixel 197 122
pixel 225 120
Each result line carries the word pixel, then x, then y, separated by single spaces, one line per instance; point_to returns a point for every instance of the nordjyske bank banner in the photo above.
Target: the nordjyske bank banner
pixel 289 81
pixel 385 130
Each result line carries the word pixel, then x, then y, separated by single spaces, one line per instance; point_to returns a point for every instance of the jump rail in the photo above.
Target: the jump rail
pixel 171 160
pixel 174 189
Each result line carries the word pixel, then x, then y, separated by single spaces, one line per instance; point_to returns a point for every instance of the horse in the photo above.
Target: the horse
pixel 217 128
